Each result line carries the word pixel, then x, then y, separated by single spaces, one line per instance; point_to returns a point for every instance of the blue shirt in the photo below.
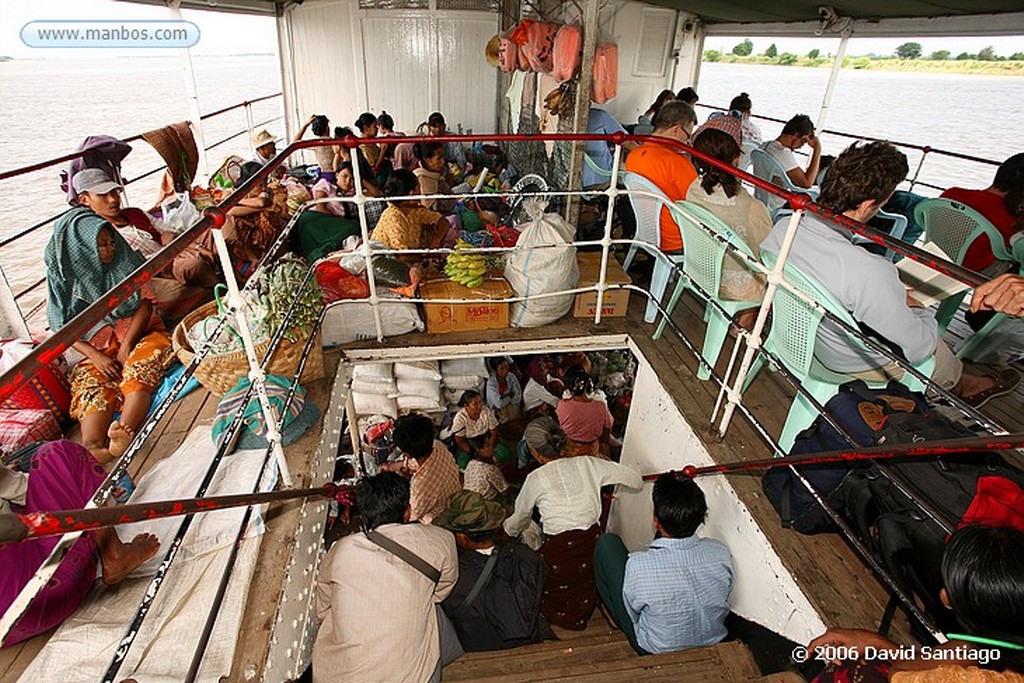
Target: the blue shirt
pixel 677 593
pixel 599 122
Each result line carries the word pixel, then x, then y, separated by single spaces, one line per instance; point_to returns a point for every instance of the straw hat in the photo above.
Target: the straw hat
pixel 261 138
pixel 491 51
pixel 177 147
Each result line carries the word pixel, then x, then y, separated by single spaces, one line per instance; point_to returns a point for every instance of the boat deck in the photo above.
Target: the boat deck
pixel 836 582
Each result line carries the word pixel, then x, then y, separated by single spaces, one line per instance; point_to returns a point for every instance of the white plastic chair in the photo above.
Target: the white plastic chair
pixel 648 231
pixel 766 167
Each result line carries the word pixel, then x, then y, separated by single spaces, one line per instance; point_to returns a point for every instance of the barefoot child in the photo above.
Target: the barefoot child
pixel 64 476
pixel 127 353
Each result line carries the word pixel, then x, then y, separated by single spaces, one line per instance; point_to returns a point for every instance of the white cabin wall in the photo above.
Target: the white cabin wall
pixel 408 62
pixel 659 439
pixel 638 84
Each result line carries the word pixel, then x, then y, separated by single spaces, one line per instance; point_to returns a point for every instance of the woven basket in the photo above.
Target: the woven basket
pixel 219 372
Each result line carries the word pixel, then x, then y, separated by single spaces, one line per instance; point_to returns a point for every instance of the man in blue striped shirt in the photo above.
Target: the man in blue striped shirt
pixel 674 595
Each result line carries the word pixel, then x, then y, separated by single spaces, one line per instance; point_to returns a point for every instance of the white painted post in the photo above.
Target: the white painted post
pixel 192 95
pixel 235 304
pixel 833 76
pixel 364 228
pixel 733 394
pixel 606 241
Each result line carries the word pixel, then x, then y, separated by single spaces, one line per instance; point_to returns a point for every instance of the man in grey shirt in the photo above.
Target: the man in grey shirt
pixel 859 182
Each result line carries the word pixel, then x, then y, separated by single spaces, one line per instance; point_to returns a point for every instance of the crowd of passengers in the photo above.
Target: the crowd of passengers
pixel 564 566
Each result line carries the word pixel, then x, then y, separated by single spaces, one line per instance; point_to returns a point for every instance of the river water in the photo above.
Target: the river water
pixel 49 106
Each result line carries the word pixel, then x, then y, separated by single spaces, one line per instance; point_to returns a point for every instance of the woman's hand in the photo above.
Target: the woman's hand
pixel 107 366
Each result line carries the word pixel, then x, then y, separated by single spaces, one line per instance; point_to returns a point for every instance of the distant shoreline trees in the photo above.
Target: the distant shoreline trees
pixel 909 51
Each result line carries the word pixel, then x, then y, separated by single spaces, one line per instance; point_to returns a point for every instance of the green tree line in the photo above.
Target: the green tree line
pixel 908 50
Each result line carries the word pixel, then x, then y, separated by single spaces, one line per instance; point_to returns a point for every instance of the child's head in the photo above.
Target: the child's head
pixel 679 506
pixel 344 178
pixel 414 435
pixel 983 574
pixel 430 155
pixel 105 246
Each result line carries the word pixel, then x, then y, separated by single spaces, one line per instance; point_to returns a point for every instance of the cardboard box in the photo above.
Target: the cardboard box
pixel 615 300
pixel 481 315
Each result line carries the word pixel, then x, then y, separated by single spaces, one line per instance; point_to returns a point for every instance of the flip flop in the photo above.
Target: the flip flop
pixel 1007 380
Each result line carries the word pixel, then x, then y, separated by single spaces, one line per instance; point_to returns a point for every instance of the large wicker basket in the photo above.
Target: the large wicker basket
pixel 220 372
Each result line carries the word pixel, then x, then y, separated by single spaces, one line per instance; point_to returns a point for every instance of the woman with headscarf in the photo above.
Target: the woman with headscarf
pixel 566 491
pixel 127 352
pixel 586 420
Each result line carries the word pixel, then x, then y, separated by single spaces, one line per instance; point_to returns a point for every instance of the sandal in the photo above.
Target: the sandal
pixel 1006 379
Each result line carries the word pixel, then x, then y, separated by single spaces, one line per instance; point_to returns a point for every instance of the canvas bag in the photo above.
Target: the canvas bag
pixel 534 268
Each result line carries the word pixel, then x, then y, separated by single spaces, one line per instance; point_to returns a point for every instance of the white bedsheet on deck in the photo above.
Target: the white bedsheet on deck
pixel 82 647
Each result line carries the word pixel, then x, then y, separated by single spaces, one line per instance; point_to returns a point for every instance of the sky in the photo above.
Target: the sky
pixel 241 34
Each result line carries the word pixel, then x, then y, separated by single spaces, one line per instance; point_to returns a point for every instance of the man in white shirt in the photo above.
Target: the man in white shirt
pixel 797 132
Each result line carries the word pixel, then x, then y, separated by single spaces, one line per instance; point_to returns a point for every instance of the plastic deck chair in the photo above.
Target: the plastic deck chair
pixel 702 264
pixel 747 148
pixel 648 231
pixel 791 339
pixel 766 167
pixel 953 227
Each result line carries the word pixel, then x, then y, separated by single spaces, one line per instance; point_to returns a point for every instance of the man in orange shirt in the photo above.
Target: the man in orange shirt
pixel 666 166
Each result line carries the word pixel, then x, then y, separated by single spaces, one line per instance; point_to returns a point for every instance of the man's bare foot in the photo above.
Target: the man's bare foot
pixel 120 436
pixel 119 559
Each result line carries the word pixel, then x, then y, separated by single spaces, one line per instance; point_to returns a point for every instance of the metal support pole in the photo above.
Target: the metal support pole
pixel 606 242
pixel 733 394
pixel 235 304
pixel 920 164
pixel 837 64
pixel 192 95
pixel 249 125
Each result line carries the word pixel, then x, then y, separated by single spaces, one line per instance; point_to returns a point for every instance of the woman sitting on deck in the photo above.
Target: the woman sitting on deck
pixel 504 393
pixel 64 476
pixel 567 493
pixel 475 430
pixel 255 223
pixel 586 420
pixel 405 224
pixel 722 194
pixel 125 357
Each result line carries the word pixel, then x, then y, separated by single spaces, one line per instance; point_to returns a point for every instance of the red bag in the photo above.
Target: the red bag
pixel 49 389
pixel 19 428
pixel 336 283
pixel 566 57
pixel 540 46
pixel 606 73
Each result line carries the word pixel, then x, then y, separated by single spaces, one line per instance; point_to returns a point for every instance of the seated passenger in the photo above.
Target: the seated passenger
pixel 380 616
pixel 868 285
pixel 126 355
pixel 405 224
pixel 1002 203
pixel 600 122
pixel 585 420
pixel 255 222
pixel 265 145
pixel 431 174
pixel 797 132
pixel 475 429
pixel 742 104
pixel 194 266
pixel 675 595
pixel 64 476
pixel 435 476
pixel 644 125
pixel 666 166
pixel 453 151
pixel 324 155
pixel 983 574
pixel 504 393
pixel 347 188
pixel 721 193
pixel 566 491
pixel 687 95
pixel 495 604
pixel 373 152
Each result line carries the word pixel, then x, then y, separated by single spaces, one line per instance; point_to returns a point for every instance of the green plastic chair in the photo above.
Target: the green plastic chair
pixel 953 227
pixel 702 263
pixel 791 339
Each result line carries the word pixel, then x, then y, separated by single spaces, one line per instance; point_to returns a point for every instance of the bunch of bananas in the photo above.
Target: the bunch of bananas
pixel 466 269
pixel 561 100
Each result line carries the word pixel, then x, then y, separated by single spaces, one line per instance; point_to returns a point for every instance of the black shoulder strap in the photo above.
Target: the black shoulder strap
pixel 481 580
pixel 403 553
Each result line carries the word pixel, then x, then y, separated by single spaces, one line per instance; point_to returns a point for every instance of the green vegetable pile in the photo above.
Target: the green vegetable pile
pixel 280 287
